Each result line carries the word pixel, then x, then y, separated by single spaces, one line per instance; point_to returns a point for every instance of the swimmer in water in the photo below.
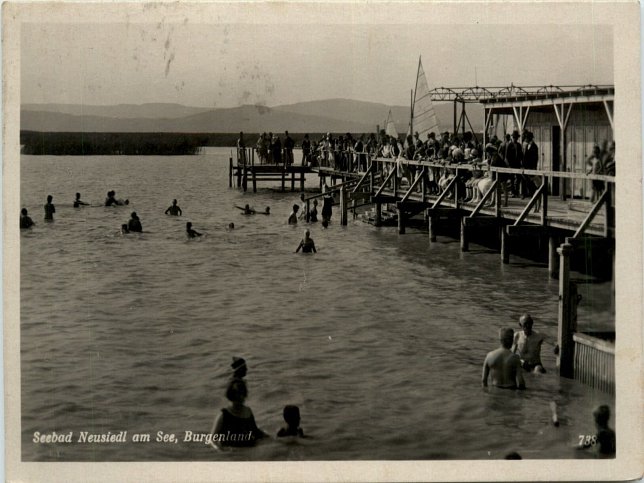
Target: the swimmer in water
pixel 190 232
pixel 134 224
pixel 292 419
pixel 174 210
pixel 112 201
pixel 124 229
pixel 292 218
pixel 50 209
pixel 231 226
pixel 78 203
pixel 267 211
pixel 504 365
pixel 306 245
pixel 313 212
pixel 239 368
pixel 247 210
pixel 25 220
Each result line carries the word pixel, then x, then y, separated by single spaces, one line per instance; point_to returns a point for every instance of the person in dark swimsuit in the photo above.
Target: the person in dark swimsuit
pixel 292 419
pixel 50 209
pixel 239 368
pixel 134 224
pixel 307 245
pixel 235 425
pixel 174 209
pixel 25 220
pixel 190 232
pixel 327 211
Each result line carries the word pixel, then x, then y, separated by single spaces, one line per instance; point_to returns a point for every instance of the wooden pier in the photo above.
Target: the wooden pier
pixel 568 225
pixel 244 168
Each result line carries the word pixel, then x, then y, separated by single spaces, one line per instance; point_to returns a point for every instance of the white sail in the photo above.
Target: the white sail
pixel 390 128
pixel 424 118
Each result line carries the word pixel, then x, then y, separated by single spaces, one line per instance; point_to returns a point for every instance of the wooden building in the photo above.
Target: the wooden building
pixel 566 121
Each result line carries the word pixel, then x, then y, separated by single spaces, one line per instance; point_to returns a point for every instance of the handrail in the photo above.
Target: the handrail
pixel 470 167
pixel 331 189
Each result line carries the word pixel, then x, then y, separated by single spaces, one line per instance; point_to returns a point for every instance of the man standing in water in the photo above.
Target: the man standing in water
pixel 50 209
pixel 174 210
pixel 503 364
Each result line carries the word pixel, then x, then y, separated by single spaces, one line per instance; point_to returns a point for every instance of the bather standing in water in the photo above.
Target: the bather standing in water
pixel 174 209
pixel 235 425
pixel 50 209
pixel 292 218
pixel 327 210
pixel 307 245
pixel 503 365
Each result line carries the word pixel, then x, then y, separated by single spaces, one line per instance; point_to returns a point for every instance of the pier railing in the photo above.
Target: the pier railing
pixel 594 362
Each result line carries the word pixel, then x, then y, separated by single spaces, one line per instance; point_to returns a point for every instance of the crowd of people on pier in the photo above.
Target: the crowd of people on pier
pixel 347 153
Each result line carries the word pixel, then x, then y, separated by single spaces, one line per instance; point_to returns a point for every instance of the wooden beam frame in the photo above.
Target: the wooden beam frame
pixel 537 194
pixel 444 193
pixel 413 185
pixel 486 196
pixel 595 209
pixel 382 187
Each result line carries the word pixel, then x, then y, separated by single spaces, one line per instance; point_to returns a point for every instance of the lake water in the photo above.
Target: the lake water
pixel 379 338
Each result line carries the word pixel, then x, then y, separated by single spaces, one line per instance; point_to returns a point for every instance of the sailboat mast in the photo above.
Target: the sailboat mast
pixel 413 99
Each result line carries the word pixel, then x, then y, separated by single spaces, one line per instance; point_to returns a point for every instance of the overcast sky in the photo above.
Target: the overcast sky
pixel 221 65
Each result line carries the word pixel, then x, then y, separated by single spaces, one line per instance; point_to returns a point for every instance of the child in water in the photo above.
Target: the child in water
pixel 190 232
pixel 292 419
pixel 307 245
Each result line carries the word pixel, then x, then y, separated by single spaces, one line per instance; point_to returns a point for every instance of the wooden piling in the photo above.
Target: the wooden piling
pixel 378 220
pixel 343 206
pixel 401 220
pixel 553 257
pixel 283 178
pixel 244 177
pixel 433 225
pixel 505 245
pixel 566 323
pixel 254 180
pixel 302 181
pixel 465 243
pixel 292 180
pixel 230 172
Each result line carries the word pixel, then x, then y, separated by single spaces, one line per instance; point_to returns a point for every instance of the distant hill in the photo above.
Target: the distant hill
pixel 334 115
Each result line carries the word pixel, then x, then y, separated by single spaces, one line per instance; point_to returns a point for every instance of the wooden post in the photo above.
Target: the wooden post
pixel 371 182
pixel 353 208
pixel 505 245
pixel 230 173
pixel 465 243
pixel 244 177
pixel 566 324
pixel 609 218
pixel 343 206
pixel 283 178
pixel 497 195
pixel 254 180
pixel 292 180
pixel 302 181
pixel 544 201
pixel 456 188
pixel 378 220
pixel 401 221
pixel 433 224
pixel 553 258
